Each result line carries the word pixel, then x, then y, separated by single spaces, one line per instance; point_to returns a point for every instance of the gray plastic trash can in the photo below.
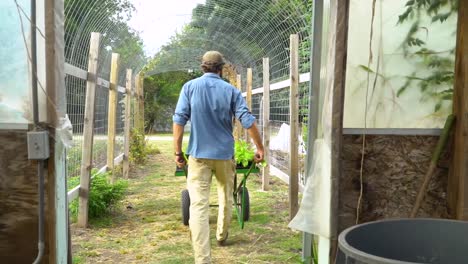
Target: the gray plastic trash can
pixel 405 241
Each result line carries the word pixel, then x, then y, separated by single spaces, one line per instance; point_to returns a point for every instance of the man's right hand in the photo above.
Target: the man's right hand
pixel 180 161
pixel 259 156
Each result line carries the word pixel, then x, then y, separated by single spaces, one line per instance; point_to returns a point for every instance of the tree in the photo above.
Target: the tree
pixel 161 94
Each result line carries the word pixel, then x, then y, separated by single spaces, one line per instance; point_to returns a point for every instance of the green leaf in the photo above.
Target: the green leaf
pixel 438 106
pixel 447 97
pixel 448 91
pixel 365 68
pixel 401 90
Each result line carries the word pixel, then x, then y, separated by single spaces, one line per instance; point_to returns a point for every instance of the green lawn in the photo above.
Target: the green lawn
pixel 146 226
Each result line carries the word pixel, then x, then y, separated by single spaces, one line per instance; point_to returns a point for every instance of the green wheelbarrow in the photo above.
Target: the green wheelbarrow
pixel 240 194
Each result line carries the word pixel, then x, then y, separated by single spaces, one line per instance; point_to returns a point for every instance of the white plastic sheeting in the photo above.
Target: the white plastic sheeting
pixel 282 140
pixel 314 214
pixel 14 67
pixel 390 68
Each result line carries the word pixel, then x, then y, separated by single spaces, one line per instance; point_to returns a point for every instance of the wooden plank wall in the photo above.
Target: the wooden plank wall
pixel 18 196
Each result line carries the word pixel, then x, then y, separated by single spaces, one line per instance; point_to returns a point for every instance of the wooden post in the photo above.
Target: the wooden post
pixel 458 181
pixel 293 125
pixel 142 103
pixel 338 23
pixel 249 96
pixel 266 123
pixel 128 106
pixel 136 114
pixel 88 130
pixel 114 82
pixel 238 132
pixel 56 223
pixel 139 114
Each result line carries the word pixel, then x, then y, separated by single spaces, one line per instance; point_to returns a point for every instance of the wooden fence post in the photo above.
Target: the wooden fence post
pixel 238 129
pixel 142 103
pixel 136 114
pixel 114 82
pixel 88 130
pixel 128 106
pixel 249 97
pixel 266 123
pixel 294 124
pixel 140 114
pixel 458 180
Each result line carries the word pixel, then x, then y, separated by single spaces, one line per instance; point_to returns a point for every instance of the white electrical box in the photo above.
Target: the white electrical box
pixel 38 145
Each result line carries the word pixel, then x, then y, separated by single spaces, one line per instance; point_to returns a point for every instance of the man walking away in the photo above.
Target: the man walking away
pixel 210 104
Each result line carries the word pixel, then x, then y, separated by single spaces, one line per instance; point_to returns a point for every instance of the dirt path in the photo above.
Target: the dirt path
pixel 146 226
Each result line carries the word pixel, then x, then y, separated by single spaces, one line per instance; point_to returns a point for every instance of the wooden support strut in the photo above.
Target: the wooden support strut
pixel 266 123
pixel 249 96
pixel 88 130
pixel 458 179
pixel 294 124
pixel 238 132
pixel 128 106
pixel 112 118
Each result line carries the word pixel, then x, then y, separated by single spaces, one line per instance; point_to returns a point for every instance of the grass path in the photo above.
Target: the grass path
pixel 146 226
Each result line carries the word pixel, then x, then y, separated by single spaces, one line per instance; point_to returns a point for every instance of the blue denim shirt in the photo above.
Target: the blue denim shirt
pixel 210 104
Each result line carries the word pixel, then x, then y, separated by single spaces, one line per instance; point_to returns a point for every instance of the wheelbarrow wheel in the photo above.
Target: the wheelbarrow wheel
pixel 185 207
pixel 246 209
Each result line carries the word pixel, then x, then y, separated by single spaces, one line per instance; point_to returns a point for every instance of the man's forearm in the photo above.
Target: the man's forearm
pixel 255 135
pixel 178 133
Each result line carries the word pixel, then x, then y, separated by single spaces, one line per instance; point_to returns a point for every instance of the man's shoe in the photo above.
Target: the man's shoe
pixel 222 243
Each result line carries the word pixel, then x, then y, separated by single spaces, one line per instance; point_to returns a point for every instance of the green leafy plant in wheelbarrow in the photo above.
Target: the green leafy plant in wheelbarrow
pixel 244 156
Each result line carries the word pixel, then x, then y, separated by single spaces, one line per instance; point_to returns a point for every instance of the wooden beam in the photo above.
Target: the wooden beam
pixel 88 130
pixel 458 182
pixel 141 79
pixel 128 106
pixel 238 129
pixel 340 9
pixel 136 113
pixel 249 96
pixel 112 118
pixel 57 236
pixel 266 123
pixel 294 125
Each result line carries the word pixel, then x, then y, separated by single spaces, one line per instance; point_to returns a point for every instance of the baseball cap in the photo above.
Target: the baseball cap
pixel 213 58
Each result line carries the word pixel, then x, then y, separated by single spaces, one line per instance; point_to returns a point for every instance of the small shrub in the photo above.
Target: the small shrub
pixel 140 149
pixel 151 149
pixel 137 147
pixel 72 182
pixel 102 196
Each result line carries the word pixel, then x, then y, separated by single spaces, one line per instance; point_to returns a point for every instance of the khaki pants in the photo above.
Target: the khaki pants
pixel 198 184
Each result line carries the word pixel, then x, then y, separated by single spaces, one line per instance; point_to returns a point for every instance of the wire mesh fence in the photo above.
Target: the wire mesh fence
pixel 245 32
pixel 109 18
pixel 120 125
pixel 75 92
pixel 100 127
pixel 279 129
pixel 257 110
pixel 279 126
pixel 304 129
